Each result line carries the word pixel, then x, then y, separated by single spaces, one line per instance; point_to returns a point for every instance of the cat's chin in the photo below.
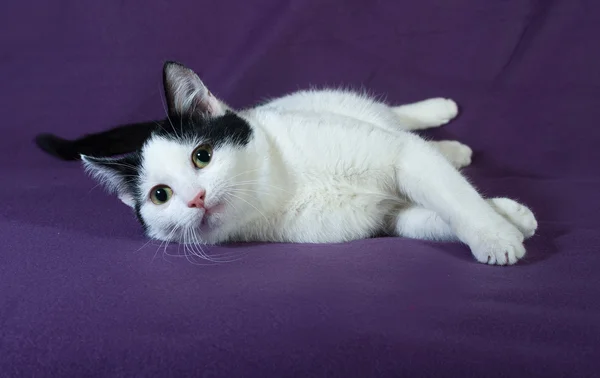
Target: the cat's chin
pixel 211 219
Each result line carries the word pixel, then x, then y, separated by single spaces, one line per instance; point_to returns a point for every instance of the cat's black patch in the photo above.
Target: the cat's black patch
pixel 138 214
pixel 116 141
pixel 229 129
pixel 128 168
pixel 130 172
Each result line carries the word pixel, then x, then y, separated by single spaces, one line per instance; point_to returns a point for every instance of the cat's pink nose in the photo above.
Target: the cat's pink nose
pixel 198 201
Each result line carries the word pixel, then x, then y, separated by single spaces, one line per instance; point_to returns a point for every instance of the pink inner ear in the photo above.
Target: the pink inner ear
pixel 189 92
pixel 210 100
pixel 203 100
pixel 213 106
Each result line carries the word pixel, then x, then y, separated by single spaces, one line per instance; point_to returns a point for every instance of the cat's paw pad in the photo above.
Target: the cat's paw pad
pixel 438 111
pixel 502 247
pixel 460 155
pixel 517 214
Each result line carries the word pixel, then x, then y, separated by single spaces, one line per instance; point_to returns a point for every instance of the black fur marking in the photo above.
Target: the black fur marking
pixel 138 214
pixel 229 129
pixel 57 147
pixel 116 141
pixel 131 173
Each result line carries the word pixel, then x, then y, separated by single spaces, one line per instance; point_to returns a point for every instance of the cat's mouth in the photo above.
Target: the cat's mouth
pixel 214 209
pixel 209 212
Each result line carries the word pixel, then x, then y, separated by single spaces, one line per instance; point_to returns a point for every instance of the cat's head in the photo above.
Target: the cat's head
pixel 196 177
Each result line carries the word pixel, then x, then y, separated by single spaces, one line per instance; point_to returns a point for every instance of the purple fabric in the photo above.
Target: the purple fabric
pixel 81 294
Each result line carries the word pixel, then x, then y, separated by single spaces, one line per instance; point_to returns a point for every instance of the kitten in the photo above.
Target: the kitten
pixel 322 166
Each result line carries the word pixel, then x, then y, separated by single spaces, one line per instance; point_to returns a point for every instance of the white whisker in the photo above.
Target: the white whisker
pixel 242 173
pixel 250 182
pixel 256 208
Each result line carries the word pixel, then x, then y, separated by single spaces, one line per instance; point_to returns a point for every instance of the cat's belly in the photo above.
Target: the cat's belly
pixel 346 185
pixel 329 213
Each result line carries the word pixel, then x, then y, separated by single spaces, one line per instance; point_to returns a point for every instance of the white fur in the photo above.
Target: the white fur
pixel 332 166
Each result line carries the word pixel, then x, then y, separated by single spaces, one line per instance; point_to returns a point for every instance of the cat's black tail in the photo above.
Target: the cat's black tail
pixel 116 141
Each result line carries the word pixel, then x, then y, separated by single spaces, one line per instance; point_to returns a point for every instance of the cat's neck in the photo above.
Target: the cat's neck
pixel 275 181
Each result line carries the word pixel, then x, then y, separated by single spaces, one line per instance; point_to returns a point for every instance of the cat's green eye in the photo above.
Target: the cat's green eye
pixel 160 194
pixel 202 155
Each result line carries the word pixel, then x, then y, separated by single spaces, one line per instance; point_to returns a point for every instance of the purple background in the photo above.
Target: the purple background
pixel 82 295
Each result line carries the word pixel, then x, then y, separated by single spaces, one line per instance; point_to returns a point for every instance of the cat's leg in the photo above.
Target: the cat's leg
pixel 429 180
pixel 419 223
pixel 458 154
pixel 425 114
pixel 414 116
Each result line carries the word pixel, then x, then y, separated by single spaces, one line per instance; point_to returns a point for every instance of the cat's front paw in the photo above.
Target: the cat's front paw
pixel 517 214
pixel 498 245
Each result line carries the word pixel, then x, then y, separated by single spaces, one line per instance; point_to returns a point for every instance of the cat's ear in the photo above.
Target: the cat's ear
pixel 118 175
pixel 187 94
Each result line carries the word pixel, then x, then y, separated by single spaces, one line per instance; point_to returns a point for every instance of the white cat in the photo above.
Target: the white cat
pixel 311 167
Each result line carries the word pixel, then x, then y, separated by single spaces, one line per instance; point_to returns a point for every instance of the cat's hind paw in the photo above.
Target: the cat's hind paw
pixel 439 111
pixel 458 154
pixel 428 113
pixel 517 214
